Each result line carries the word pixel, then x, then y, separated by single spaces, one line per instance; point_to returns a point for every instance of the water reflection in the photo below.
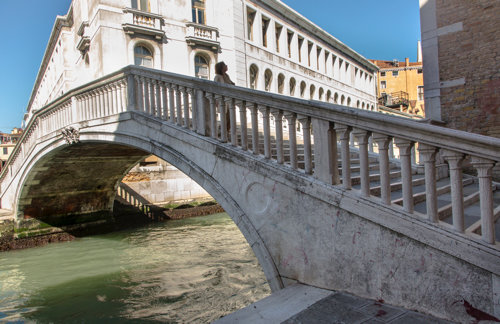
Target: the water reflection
pixel 186 271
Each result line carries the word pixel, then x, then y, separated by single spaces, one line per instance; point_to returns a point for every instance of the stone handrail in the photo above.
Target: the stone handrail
pixel 193 104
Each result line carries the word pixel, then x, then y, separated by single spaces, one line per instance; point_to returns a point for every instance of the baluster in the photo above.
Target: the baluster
pixel 213 115
pixel 186 107
pixel 255 127
pixel 384 141
pixel 344 132
pixel 278 117
pixel 428 157
pixel 484 167
pixel 164 100
pixel 267 130
pixel 413 155
pixel 370 144
pixel 351 139
pixel 171 102
pixel 123 89
pixel 243 123
pixel 363 136
pixel 147 103
pixel 140 93
pixel 232 121
pixel 115 90
pixel 292 133
pixel 104 101
pixel 391 149
pixel 325 151
pixel 305 121
pixel 455 160
pixel 222 113
pixel 96 104
pixel 178 102
pixel 194 118
pixel 154 106
pixel 405 148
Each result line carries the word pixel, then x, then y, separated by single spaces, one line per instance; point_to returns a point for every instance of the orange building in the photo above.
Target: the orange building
pixel 401 86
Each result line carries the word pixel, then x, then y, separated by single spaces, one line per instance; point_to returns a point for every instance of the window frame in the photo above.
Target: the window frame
pixel 382 74
pixel 265 26
pixel 383 84
pixel 143 56
pixel 198 64
pixel 195 10
pixel 139 5
pixel 395 74
pixel 251 13
pixel 420 94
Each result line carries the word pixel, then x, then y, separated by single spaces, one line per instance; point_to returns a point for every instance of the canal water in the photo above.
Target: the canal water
pixel 184 271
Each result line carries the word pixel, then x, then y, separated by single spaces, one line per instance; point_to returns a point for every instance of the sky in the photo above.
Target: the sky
pixel 383 30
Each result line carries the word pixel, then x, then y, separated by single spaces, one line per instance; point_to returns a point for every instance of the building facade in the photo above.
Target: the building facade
pixel 401 86
pixel 266 44
pixel 7 144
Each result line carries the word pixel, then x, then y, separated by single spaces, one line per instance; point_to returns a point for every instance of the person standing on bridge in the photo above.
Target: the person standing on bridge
pixel 223 77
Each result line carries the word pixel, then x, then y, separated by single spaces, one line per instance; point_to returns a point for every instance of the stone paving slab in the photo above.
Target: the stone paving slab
pixel 302 304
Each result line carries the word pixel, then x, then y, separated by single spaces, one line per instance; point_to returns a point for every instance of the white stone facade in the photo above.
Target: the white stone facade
pixel 98 37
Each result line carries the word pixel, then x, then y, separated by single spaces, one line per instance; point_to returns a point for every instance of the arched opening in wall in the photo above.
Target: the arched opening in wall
pixel 328 96
pixel 373 108
pixel 143 56
pixel 254 73
pixel 342 100
pixel 320 93
pixel 363 106
pixel 349 101
pixel 281 83
pixel 268 78
pixel 202 67
pixel 86 58
pixel 94 182
pixel 292 84
pixel 336 98
pixel 357 104
pixel 312 90
pixel 302 89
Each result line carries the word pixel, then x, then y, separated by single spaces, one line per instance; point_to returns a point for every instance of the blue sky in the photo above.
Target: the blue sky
pixel 385 30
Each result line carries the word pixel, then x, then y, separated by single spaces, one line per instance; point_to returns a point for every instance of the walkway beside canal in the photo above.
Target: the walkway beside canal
pixel 302 304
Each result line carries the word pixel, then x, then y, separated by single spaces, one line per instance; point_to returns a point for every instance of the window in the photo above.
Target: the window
pixel 382 74
pixel 281 83
pixel 253 77
pixel 201 67
pixel 336 98
pixel 142 56
pixel 265 25
pixel 320 93
pixel 334 59
pixel 289 41
pixel 420 71
pixel 312 90
pixel 357 104
pixel 318 54
pixel 198 8
pixel 301 41
pixel 395 73
pixel 268 78
pixel 292 86
pixel 309 49
pixel 342 100
pixel 302 89
pixel 5 151
pixel 326 61
pixel 328 96
pixel 349 101
pixel 278 29
pixel 420 91
pixel 250 19
pixel 141 5
pixel 383 84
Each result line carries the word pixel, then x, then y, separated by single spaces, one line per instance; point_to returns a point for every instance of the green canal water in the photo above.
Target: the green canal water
pixel 185 271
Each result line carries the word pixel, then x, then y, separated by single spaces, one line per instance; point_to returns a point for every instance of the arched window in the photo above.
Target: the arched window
pixel 357 104
pixel 328 96
pixel 336 98
pixel 201 67
pixel 342 100
pixel 373 108
pixel 281 83
pixel 312 90
pixel 198 9
pixel 254 72
pixel 320 93
pixel 142 5
pixel 292 86
pixel 142 56
pixel 363 106
pixel 268 76
pixel 87 60
pixel 302 89
pixel 349 102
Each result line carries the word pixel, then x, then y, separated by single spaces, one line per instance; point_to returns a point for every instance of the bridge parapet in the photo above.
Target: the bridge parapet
pixel 199 105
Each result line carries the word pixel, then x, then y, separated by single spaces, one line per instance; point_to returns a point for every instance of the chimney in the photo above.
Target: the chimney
pixel 419 52
pixel 407 61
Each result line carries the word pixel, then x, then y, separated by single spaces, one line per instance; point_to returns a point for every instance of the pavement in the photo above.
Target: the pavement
pixel 302 304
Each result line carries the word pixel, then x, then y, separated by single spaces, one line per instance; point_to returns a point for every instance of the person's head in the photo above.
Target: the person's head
pixel 220 68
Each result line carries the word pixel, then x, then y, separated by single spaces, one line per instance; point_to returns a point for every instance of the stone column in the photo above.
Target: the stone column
pixel 292 119
pixel 178 102
pixel 232 120
pixel 152 97
pixel 171 102
pixel 164 100
pixel 351 140
pixel 267 130
pixel 194 119
pixel 255 127
pixel 147 104
pixel 455 160
pixel 186 107
pixel 305 121
pixel 391 149
pixel 325 151
pixel 428 158
pixel 344 132
pixel 405 148
pixel 158 99
pixel 213 115
pixel 243 123
pixel 363 136
pixel 222 113
pixel 278 117
pixel 384 141
pixel 140 94
pixel 370 144
pixel 484 167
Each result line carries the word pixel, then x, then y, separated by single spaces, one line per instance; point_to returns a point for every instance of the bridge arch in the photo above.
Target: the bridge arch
pixel 141 146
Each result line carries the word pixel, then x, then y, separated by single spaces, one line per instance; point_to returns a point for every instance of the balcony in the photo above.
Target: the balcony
pixel 142 22
pixel 394 100
pixel 201 35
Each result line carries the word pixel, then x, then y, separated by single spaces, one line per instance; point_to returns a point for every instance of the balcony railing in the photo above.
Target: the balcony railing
pixel 142 22
pixel 202 35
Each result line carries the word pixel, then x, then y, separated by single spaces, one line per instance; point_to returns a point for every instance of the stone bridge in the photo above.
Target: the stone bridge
pixel 314 208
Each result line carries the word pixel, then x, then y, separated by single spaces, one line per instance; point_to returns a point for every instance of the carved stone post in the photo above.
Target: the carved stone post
pixel 344 132
pixel 171 102
pixel 164 89
pixel 428 158
pixel 152 97
pixel 147 103
pixel 278 117
pixel 405 147
pixel 186 107
pixel 305 121
pixel 178 103
pixel 243 123
pixel 484 167
pixel 222 113
pixel 384 141
pixel 292 119
pixel 267 130
pixel 325 151
pixel 194 117
pixel 232 120
pixel 255 127
pixel 158 99
pixel 213 115
pixel 140 93
pixel 455 160
pixel 363 136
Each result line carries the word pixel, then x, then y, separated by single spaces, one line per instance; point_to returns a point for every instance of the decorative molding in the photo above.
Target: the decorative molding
pixel 71 135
